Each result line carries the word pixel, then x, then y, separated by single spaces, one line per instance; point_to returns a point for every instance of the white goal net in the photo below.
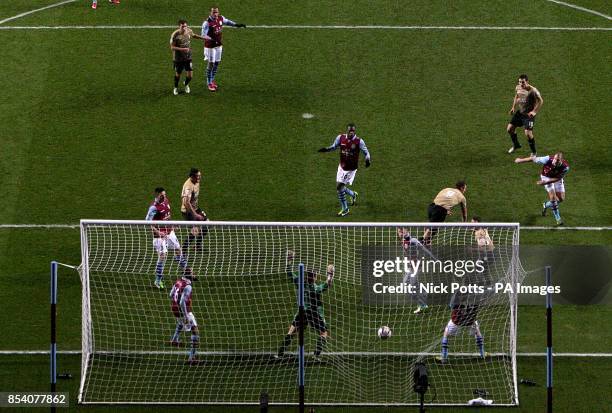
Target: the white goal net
pixel 445 299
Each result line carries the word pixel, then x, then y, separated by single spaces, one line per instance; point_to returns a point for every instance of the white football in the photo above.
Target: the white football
pixel 384 332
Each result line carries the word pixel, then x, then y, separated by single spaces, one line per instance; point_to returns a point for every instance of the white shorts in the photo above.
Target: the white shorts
pixel 213 54
pixel 452 329
pixel 189 323
pixel 345 177
pixel 555 186
pixel 161 244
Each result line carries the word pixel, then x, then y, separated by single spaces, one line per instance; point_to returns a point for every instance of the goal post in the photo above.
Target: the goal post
pixel 240 340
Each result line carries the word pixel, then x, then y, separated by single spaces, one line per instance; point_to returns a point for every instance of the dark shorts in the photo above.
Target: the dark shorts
pixel 521 120
pixel 180 66
pixel 436 213
pixel 313 319
pixel 187 216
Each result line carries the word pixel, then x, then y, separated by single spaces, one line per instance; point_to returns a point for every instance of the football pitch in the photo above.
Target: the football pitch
pixel 90 127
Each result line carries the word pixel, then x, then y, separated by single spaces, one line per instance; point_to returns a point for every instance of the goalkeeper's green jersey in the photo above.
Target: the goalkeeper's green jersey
pixel 313 293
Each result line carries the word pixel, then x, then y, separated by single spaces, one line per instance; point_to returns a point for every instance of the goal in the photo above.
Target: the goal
pixel 244 301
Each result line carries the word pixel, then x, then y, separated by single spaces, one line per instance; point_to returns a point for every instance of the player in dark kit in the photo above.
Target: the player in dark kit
pixel 350 145
pixel 529 102
pixel 313 306
pixel 180 297
pixel 164 236
pixel 554 168
pixel 180 44
pixel 212 32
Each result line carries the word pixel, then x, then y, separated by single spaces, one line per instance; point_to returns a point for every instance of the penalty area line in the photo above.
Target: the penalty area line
pixel 18 16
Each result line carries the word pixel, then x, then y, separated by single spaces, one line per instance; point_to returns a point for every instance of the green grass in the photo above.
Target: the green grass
pixel 90 128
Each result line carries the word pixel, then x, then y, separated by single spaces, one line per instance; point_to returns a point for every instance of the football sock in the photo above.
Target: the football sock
pixel 532 145
pixel 548 204
pixel 350 192
pixel 208 78
pixel 321 341
pixel 182 262
pixel 285 344
pixel 159 269
pixel 177 332
pixel 444 353
pixel 342 199
pixel 176 80
pixel 480 345
pixel 195 339
pixel 214 71
pixel 187 80
pixel 555 210
pixel 515 141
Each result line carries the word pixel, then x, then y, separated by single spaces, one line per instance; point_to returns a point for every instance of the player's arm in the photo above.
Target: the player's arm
pixel 150 215
pixel 185 200
pixel 205 30
pixel 335 144
pixel 463 210
pixel 232 23
pixel 530 158
pixel 292 275
pixel 553 180
pixel 364 149
pixel 514 102
pixel 175 47
pixel 538 104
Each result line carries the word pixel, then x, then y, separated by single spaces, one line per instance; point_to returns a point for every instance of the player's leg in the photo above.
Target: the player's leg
pixel 511 129
pixel 178 253
pixel 161 247
pixel 218 52
pixel 293 328
pixel 475 331
pixel 192 326
pixel 317 321
pixel 530 137
pixel 341 191
pixel 450 330
pixel 553 202
pixel 176 337
pixel 202 231
pixel 178 69
pixel 188 76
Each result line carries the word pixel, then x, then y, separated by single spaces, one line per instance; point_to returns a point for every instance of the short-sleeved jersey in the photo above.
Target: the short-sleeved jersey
pixel 552 171
pixel 481 235
pixel 179 39
pixel 190 191
pixel 449 197
pixel 349 151
pixel 527 98
pixel 160 211
pixel 181 296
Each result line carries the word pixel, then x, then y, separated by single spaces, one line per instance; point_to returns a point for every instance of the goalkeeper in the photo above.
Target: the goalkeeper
pixel 313 306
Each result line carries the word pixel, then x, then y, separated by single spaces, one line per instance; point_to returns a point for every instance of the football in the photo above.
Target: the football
pixel 384 332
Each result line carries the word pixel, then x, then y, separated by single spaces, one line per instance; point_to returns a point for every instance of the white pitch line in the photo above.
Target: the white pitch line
pixel 573 6
pixel 34 11
pixel 482 28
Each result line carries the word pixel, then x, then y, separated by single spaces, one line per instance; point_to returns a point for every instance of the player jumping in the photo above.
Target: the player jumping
pixel 350 145
pixel 313 306
pixel 554 169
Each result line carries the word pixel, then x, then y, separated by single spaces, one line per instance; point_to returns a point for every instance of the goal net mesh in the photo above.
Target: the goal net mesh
pixel 244 302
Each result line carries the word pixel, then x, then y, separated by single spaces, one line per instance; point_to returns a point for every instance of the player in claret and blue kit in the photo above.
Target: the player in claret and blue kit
pixel 164 236
pixel 554 169
pixel 350 145
pixel 180 297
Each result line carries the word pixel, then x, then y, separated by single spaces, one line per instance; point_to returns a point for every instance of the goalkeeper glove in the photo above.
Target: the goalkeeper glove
pixel 323 150
pixel 330 273
pixel 368 163
pixel 241 25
